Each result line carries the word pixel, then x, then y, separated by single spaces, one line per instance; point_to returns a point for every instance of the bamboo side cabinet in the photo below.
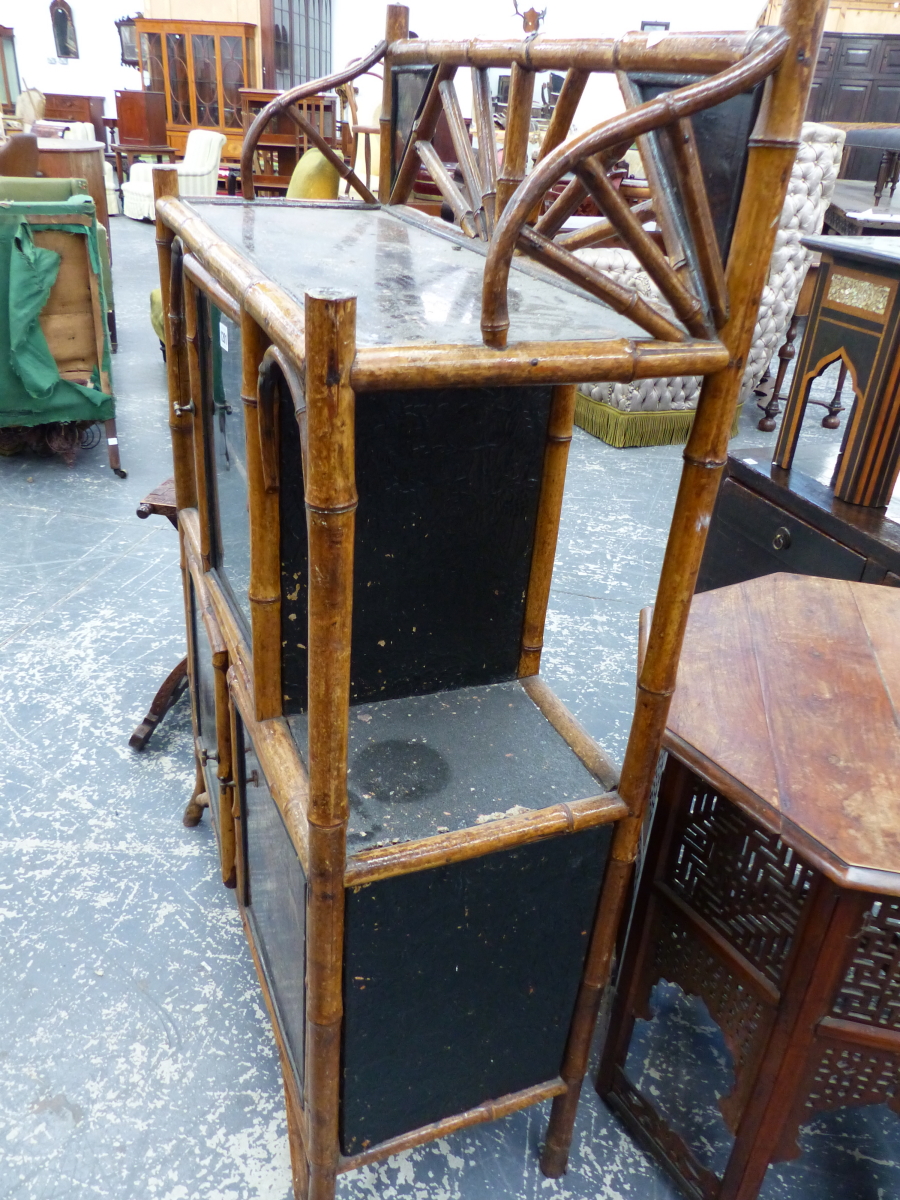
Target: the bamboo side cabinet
pixel 421 943
pixel 771 886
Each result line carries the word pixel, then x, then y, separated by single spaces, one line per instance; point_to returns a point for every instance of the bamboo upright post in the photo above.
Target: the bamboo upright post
pixel 165 183
pixel 553 480
pixel 265 544
pixel 773 147
pixel 396 29
pixel 518 127
pixel 331 514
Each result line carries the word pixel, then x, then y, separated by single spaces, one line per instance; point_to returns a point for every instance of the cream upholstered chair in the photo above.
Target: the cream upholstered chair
pixel 198 174
pixel 653 412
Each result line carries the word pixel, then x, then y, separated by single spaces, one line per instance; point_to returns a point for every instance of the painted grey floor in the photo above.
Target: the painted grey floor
pixel 136 1061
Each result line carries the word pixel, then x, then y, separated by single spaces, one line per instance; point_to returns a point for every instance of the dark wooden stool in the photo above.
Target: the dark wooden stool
pixel 771 881
pixel 161 502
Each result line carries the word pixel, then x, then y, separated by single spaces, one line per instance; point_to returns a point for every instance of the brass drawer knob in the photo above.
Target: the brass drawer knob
pixel 782 538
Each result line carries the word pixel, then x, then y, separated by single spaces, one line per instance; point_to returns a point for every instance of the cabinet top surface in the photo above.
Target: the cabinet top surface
pixel 413 284
pixel 791 685
pixel 871 250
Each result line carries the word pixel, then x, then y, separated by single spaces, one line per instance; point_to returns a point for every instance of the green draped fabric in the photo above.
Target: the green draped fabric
pixel 31 390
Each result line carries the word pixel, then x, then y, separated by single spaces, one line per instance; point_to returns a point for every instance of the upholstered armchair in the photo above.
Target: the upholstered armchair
pixel 652 412
pixel 198 174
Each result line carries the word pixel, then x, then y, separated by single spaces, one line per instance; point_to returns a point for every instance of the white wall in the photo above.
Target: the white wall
pixel 359 24
pixel 98 70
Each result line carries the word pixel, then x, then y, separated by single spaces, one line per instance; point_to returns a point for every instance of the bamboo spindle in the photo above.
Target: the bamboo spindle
pixel 773 148
pixel 165 183
pixel 468 219
pixel 620 298
pixel 346 172
pixel 265 544
pixel 423 128
pixel 396 29
pixel 699 217
pixel 687 307
pixel 553 479
pixel 518 127
pixel 462 144
pixel 487 144
pixel 331 512
pixel 600 231
pixel 564 112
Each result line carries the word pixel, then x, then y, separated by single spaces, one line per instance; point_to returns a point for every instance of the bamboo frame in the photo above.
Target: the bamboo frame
pixel 315 342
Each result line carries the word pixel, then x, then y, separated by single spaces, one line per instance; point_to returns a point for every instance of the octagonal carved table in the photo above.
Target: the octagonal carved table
pixel 771 882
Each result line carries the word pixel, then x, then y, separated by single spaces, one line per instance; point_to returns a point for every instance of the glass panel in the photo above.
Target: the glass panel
pixel 206 88
pixel 298 42
pixel 282 44
pixel 152 64
pixel 9 80
pixel 232 51
pixel 179 85
pixel 276 901
pixel 229 503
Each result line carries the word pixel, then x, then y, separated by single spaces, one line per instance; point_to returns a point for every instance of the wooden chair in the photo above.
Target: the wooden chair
pixel 368 492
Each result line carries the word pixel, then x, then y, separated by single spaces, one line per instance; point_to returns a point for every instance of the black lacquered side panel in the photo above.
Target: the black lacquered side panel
pixel 459 983
pixel 275 899
pixel 205 700
pixel 448 484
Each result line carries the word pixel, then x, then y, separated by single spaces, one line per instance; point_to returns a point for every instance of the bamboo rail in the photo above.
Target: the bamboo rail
pixel 511 230
pixel 396 28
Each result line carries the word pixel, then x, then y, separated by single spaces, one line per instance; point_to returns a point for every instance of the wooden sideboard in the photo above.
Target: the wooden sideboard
pixel 767 519
pixel 77 108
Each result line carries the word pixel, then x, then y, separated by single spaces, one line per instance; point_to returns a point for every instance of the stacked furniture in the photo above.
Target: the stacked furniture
pixel 370 414
pixel 54 338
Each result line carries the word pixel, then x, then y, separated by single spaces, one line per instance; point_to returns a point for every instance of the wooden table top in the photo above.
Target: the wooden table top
pixel 787 701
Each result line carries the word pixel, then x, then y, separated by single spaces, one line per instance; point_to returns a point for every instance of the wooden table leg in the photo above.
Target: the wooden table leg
pixel 173 687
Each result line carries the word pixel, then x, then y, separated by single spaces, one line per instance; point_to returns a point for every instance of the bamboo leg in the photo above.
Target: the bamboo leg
pixel 165 183
pixel 331 513
pixel 771 157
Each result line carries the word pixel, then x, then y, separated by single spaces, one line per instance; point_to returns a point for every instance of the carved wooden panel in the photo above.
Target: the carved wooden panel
pixel 871 989
pixel 746 882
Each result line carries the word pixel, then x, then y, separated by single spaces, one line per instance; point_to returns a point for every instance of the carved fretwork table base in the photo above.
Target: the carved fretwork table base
pixel 767 890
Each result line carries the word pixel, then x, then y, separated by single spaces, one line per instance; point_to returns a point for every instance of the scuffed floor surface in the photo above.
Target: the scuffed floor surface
pixel 136 1060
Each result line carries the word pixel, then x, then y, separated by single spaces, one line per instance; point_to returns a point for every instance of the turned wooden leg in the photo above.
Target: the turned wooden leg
pixel 172 688
pixel 112 447
pixel 785 355
pixel 832 419
pixel 198 801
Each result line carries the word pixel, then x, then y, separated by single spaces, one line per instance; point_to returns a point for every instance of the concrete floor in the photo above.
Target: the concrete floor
pixel 136 1059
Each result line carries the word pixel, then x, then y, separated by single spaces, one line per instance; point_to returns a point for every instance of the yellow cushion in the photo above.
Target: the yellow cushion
pixel 314 178
pixel 156 314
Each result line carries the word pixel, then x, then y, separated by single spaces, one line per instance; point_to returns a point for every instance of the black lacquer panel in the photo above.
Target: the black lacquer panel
pixel 448 485
pixel 407 93
pixel 460 982
pixel 721 133
pixel 275 900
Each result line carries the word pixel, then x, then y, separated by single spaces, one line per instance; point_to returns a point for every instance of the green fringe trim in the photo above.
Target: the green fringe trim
pixel 663 427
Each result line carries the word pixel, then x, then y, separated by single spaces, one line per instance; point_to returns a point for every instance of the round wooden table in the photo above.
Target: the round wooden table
pixel 59 158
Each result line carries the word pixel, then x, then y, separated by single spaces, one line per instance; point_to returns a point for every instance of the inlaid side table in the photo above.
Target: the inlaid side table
pixel 771 884
pixel 854 318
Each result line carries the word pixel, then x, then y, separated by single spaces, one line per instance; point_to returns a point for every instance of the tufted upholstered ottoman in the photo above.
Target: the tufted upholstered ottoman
pixel 654 412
